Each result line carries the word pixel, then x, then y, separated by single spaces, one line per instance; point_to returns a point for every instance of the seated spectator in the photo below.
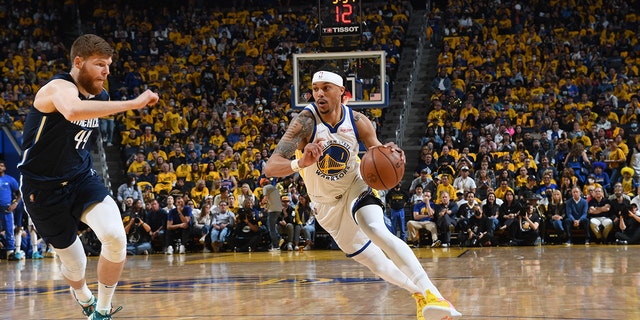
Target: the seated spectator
pixel 202 222
pixel 546 187
pixel 180 189
pixel 444 186
pixel 199 192
pixel 224 195
pixel 129 189
pixel 424 181
pixel 136 167
pixel 446 216
pixel 601 176
pixel 179 226
pixel 491 210
pixel 222 221
pixel 306 217
pixel 556 213
pixel 157 220
pixel 509 210
pixel 600 220
pixel 503 189
pixel 287 226
pixel 166 180
pixel 131 143
pixel 423 218
pixel 416 196
pixel 244 193
pixel 147 177
pixel 464 182
pixel 576 215
pixel 629 185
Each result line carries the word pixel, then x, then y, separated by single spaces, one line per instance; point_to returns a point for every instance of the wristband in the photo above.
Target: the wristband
pixel 295 166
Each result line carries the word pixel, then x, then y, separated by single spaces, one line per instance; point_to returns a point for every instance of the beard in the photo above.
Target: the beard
pixel 88 83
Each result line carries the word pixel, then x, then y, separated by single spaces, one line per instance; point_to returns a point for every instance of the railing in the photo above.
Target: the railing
pixel 415 72
pixel 12 139
pixel 102 161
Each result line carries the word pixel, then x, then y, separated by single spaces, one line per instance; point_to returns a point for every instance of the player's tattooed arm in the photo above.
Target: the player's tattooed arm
pixel 296 136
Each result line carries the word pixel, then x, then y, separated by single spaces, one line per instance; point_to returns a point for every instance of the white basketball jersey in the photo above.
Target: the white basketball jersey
pixel 339 166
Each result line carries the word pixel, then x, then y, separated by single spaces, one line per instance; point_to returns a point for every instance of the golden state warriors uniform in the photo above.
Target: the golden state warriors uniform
pixel 332 182
pixel 58 181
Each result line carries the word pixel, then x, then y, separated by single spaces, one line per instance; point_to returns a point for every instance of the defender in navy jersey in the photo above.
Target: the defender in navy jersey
pixel 58 183
pixel 328 132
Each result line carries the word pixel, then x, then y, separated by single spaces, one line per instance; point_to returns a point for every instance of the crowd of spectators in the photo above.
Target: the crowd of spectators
pixel 530 98
pixel 224 77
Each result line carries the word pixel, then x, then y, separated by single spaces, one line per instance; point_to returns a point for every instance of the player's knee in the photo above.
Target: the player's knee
pixel 369 259
pixel 74 270
pixel 114 246
pixel 373 227
pixel 74 263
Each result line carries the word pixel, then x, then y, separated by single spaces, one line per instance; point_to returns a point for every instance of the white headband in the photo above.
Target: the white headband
pixel 327 76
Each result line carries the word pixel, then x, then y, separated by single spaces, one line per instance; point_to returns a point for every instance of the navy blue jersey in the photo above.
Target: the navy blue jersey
pixel 55 149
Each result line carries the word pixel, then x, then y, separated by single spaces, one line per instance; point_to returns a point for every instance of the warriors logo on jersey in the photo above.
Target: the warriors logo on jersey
pixel 333 163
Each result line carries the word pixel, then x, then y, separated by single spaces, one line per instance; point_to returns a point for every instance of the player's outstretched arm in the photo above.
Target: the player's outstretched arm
pixel 62 96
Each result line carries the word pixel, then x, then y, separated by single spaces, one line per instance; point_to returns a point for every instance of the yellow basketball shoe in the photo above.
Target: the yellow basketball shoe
pixel 420 304
pixel 438 309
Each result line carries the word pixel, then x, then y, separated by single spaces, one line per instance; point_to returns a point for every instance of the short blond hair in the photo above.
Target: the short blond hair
pixel 88 45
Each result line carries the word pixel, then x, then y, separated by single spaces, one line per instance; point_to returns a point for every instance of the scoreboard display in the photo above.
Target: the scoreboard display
pixel 340 22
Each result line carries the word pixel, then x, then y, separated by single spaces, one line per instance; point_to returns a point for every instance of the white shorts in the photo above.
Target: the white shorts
pixel 337 219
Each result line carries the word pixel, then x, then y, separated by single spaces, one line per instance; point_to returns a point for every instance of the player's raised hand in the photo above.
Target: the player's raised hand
pixel 312 152
pixel 147 98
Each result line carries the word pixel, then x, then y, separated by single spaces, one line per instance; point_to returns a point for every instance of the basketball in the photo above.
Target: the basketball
pixel 381 168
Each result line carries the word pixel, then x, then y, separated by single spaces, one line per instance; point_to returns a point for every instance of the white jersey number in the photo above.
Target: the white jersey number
pixel 81 138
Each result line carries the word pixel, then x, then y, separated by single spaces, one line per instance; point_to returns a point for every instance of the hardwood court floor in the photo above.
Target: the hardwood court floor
pixel 548 282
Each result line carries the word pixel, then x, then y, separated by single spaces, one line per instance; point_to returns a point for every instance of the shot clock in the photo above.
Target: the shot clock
pixel 340 22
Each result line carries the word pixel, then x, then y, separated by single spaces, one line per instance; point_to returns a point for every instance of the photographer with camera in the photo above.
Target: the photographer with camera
pixel 629 224
pixel 524 231
pixel 479 229
pixel 137 230
pixel 248 234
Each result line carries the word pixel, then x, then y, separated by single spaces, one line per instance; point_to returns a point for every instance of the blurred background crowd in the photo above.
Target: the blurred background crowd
pixel 528 98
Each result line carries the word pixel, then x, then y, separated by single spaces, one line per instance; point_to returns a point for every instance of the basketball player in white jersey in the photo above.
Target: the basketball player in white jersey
pixel 327 132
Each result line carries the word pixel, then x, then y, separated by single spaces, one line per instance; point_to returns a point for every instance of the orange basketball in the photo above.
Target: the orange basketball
pixel 381 168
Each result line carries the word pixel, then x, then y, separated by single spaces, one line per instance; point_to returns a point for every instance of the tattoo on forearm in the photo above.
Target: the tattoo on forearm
pixel 299 131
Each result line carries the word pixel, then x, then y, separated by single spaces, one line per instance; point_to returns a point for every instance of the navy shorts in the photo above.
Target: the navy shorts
pixel 55 209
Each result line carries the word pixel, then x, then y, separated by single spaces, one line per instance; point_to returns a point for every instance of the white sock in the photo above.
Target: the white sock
pixel 83 295
pixel 34 240
pixel 371 223
pixel 105 293
pixel 18 240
